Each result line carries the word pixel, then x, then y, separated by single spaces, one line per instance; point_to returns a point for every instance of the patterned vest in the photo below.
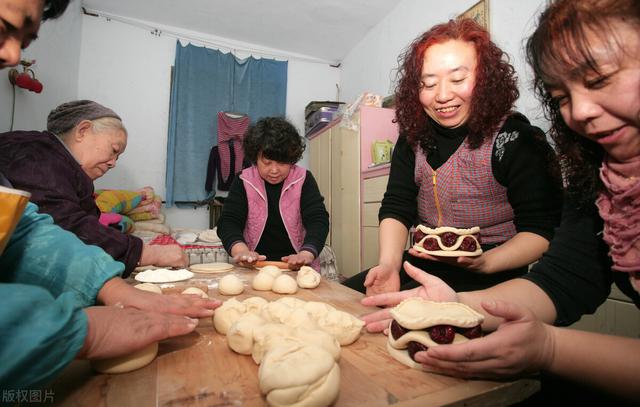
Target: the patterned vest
pixel 464 193
pixel 289 207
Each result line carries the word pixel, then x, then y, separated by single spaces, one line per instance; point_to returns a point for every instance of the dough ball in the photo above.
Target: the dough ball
pixel 272 270
pixel 262 281
pixel 270 335
pixel 127 363
pixel 318 309
pixel 317 337
pixel 285 284
pixel 230 285
pixel 228 313
pixel 299 375
pixel 197 291
pixel 275 312
pixel 299 318
pixel 293 302
pixel 240 334
pixel 148 287
pixel 342 325
pixel 255 304
pixel 308 278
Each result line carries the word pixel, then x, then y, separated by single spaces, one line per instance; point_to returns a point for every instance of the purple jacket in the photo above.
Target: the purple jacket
pixel 39 162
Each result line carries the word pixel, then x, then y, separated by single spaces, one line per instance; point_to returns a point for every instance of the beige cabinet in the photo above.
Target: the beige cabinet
pixel 616 316
pixel 339 158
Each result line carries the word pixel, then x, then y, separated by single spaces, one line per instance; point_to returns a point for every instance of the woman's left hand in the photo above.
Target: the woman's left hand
pixel 299 259
pixel 117 291
pixel 476 263
pixel 522 344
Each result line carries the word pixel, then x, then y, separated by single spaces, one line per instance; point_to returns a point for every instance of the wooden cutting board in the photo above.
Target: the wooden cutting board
pixel 200 370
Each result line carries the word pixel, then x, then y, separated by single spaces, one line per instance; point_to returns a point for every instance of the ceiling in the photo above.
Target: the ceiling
pixel 322 29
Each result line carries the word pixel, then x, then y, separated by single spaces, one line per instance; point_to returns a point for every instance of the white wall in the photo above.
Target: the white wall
pixel 371 65
pixel 128 69
pixel 57 55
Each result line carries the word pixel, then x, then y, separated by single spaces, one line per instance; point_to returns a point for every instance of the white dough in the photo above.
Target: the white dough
pixel 230 285
pixel 148 287
pixel 240 334
pixel 299 318
pixel 163 275
pixel 308 278
pixel 343 326
pixel 418 313
pixel 318 309
pixel 285 284
pixel 255 304
pixel 228 313
pixel 195 290
pixel 299 376
pixel 275 311
pixel 293 302
pixel 270 269
pixel 127 363
pixel 262 281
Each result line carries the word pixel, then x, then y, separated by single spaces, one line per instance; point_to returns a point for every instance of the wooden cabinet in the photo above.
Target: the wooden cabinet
pixel 339 158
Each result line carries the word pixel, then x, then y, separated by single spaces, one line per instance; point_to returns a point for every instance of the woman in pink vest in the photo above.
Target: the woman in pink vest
pixel 464 158
pixel 274 209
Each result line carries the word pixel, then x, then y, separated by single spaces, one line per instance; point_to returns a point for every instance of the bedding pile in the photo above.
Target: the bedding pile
pixel 129 211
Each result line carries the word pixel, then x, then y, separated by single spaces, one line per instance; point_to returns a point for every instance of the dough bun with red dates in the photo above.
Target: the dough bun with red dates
pixel 419 324
pixel 447 241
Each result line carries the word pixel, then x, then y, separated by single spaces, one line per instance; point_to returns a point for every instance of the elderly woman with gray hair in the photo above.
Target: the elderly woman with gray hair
pixel 83 141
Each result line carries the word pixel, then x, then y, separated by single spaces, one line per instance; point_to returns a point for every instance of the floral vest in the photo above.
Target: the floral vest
pixel 464 193
pixel 289 207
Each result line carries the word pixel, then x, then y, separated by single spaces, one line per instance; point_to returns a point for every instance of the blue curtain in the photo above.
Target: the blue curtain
pixel 206 82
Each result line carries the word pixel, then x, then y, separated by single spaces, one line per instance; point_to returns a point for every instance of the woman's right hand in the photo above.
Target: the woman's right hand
pixel 248 258
pixel 382 279
pixel 115 331
pixel 163 256
pixel 433 289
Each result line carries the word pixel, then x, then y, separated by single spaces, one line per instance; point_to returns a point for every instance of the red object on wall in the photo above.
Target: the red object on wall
pixel 26 79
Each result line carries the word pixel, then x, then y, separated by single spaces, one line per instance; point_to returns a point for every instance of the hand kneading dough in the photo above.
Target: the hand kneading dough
pixel 262 282
pixel 300 376
pixel 272 270
pixel 148 287
pixel 228 313
pixel 285 284
pixel 128 363
pixel 230 285
pixel 197 291
pixel 308 277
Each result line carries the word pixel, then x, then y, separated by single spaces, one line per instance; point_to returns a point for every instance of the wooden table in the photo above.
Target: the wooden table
pixel 200 370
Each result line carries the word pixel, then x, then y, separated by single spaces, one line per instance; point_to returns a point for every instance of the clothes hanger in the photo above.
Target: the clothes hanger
pixel 235 115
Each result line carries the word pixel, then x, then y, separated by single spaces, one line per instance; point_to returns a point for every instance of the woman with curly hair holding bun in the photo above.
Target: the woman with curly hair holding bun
pixel 274 210
pixel 464 158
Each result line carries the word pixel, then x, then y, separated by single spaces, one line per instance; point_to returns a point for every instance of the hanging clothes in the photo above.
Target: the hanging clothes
pixel 226 159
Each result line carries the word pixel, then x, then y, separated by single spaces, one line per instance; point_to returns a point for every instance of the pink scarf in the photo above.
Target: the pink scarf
pixel 619 207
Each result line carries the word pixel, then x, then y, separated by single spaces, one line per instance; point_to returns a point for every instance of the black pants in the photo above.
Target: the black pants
pixel 458 278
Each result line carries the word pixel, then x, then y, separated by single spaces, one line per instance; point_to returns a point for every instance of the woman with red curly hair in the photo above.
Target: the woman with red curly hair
pixel 464 158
